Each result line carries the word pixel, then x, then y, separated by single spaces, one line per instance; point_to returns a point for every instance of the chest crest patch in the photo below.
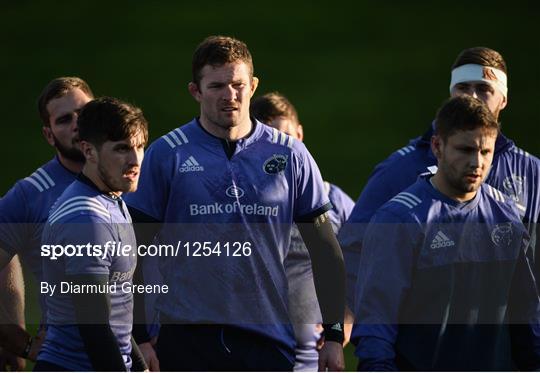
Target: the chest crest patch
pixel 275 164
pixel 502 234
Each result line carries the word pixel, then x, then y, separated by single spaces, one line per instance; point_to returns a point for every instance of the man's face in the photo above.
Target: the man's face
pixel 62 132
pixel 288 125
pixel 119 163
pixel 464 160
pixel 224 94
pixel 490 95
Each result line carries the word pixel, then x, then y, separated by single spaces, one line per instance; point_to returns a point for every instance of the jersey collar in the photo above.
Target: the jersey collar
pixel 57 160
pixel 461 206
pixel 85 180
pixel 254 135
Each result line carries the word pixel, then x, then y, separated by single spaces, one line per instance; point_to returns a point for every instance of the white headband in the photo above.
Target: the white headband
pixel 479 73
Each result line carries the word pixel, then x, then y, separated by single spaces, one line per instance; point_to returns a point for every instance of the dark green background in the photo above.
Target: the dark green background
pixel 364 76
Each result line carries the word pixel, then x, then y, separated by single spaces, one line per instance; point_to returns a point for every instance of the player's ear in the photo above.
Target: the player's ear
pixel 254 84
pixel 193 89
pixel 89 151
pixel 503 103
pixel 47 133
pixel 436 146
pixel 300 132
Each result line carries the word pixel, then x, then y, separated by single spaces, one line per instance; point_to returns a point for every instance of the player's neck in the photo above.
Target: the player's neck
pixel 93 175
pixel 234 133
pixel 73 166
pixel 439 183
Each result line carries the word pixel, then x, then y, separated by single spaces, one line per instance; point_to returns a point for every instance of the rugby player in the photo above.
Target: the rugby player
pixel 479 72
pixel 233 187
pixel 278 112
pixel 12 311
pixel 90 329
pixel 444 282
pixel 26 206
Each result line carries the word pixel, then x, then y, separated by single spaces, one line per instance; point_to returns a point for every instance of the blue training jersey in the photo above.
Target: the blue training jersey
pixel 302 297
pixel 25 208
pixel 303 304
pixel 101 225
pixel 513 171
pixel 441 284
pixel 230 219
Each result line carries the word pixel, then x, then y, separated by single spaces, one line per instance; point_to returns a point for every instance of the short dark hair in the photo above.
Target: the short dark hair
pixel 482 56
pixel 57 88
pixel 272 105
pixel 110 119
pixel 217 51
pixel 464 113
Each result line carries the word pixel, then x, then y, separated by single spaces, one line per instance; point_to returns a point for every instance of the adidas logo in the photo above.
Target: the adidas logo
pixel 441 240
pixel 191 165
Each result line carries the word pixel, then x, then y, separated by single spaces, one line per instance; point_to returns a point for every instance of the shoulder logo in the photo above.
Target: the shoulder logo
pixel 78 204
pixel 275 164
pixel 441 240
pixel 501 235
pixel 41 180
pixel 519 151
pixel 234 192
pixel 406 150
pixel 495 193
pixel 175 138
pixel 513 186
pixel 191 165
pixel 407 199
pixel 281 138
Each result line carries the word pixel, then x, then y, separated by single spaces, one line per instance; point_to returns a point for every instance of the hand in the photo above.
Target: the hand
pixel 347 327
pixel 331 357
pixel 11 362
pixel 320 342
pixel 149 356
pixel 347 330
pixel 36 345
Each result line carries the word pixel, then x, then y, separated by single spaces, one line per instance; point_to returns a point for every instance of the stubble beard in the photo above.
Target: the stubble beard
pixel 108 180
pixel 457 181
pixel 72 153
